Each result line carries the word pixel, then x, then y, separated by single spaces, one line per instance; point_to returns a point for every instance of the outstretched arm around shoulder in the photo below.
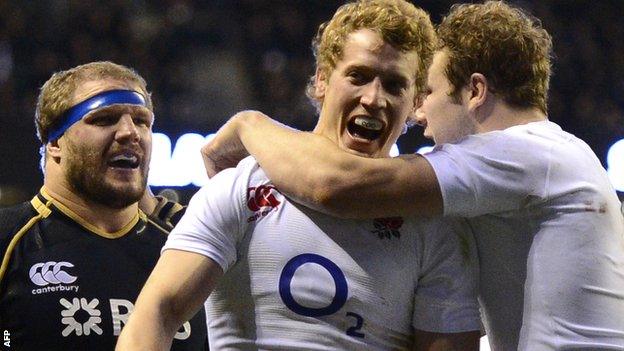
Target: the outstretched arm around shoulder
pixel 315 172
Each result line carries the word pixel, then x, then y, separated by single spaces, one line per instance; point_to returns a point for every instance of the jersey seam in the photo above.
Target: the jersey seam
pixel 43 212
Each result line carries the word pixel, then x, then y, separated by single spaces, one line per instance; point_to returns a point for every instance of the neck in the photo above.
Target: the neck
pixel 501 116
pixel 104 218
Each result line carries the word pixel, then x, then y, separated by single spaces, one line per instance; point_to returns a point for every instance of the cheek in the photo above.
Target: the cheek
pixel 342 90
pixel 148 150
pixel 146 135
pixel 427 103
pixel 441 107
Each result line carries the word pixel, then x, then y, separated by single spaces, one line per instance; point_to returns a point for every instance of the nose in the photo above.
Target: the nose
pixel 374 96
pixel 127 131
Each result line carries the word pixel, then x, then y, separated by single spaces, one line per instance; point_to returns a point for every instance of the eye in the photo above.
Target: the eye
pixel 142 120
pixel 103 119
pixel 356 77
pixel 394 86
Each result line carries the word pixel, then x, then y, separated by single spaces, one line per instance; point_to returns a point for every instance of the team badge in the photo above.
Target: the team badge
pixel 262 200
pixel 387 228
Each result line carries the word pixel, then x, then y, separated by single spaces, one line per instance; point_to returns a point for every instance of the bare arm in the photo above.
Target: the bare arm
pixel 315 172
pixel 174 292
pixel 428 341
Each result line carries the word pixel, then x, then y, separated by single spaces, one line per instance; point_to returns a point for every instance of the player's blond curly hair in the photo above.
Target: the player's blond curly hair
pixel 56 94
pixel 401 24
pixel 505 44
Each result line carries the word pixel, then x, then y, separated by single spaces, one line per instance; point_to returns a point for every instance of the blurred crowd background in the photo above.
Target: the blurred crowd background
pixel 205 60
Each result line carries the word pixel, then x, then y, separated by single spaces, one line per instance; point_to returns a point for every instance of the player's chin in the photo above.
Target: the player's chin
pixel 117 194
pixel 363 147
pixel 121 198
pixel 128 188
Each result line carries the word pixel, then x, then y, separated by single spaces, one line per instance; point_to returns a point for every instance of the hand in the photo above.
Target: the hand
pixel 225 150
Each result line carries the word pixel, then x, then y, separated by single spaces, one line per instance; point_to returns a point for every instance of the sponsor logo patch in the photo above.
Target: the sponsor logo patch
pixel 388 228
pixel 73 326
pixel 51 276
pixel 83 317
pixel 261 200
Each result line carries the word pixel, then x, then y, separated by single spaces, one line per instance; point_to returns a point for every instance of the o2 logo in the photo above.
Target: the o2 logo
pixel 339 299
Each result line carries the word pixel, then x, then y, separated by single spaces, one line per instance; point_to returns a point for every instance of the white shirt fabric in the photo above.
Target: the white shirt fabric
pixel 297 279
pixel 549 235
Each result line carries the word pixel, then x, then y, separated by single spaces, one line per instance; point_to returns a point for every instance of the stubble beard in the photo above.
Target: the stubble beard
pixel 85 174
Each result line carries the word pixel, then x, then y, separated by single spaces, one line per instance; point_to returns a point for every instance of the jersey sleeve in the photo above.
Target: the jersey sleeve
pixel 489 174
pixel 445 300
pixel 214 224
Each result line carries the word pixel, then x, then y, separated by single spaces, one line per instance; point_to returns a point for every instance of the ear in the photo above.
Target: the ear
pixel 320 84
pixel 478 87
pixel 53 149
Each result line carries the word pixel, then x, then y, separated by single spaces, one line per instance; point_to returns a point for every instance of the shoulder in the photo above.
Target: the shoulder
pixel 12 220
pixel 14 217
pixel 250 170
pixel 232 183
pixel 522 142
pixel 246 170
pixel 518 153
pixel 223 198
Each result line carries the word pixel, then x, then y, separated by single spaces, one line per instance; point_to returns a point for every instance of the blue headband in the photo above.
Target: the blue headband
pixel 107 98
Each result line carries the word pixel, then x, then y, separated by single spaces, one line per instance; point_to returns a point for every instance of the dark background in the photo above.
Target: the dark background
pixel 205 60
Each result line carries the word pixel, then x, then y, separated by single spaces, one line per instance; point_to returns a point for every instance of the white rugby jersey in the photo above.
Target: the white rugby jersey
pixel 549 235
pixel 298 279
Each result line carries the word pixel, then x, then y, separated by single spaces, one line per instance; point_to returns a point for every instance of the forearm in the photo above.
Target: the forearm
pixel 290 157
pixel 154 322
pixel 147 329
pixel 174 292
pixel 313 171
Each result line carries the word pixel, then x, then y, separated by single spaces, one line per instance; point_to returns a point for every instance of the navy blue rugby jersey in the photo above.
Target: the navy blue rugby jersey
pixel 65 285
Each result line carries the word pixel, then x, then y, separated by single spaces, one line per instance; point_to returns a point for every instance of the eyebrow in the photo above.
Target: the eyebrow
pixel 384 73
pixel 119 109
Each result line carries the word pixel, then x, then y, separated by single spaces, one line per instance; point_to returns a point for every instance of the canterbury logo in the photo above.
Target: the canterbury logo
pixel 51 272
pixel 262 196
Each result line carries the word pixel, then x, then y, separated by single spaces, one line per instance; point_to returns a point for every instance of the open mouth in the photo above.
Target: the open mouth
pixel 125 160
pixel 365 128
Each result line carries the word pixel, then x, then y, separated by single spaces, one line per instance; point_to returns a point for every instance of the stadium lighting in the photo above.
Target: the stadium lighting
pixel 615 165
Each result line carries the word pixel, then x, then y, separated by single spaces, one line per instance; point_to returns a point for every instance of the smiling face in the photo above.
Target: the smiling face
pixel 105 156
pixel 444 118
pixel 368 96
